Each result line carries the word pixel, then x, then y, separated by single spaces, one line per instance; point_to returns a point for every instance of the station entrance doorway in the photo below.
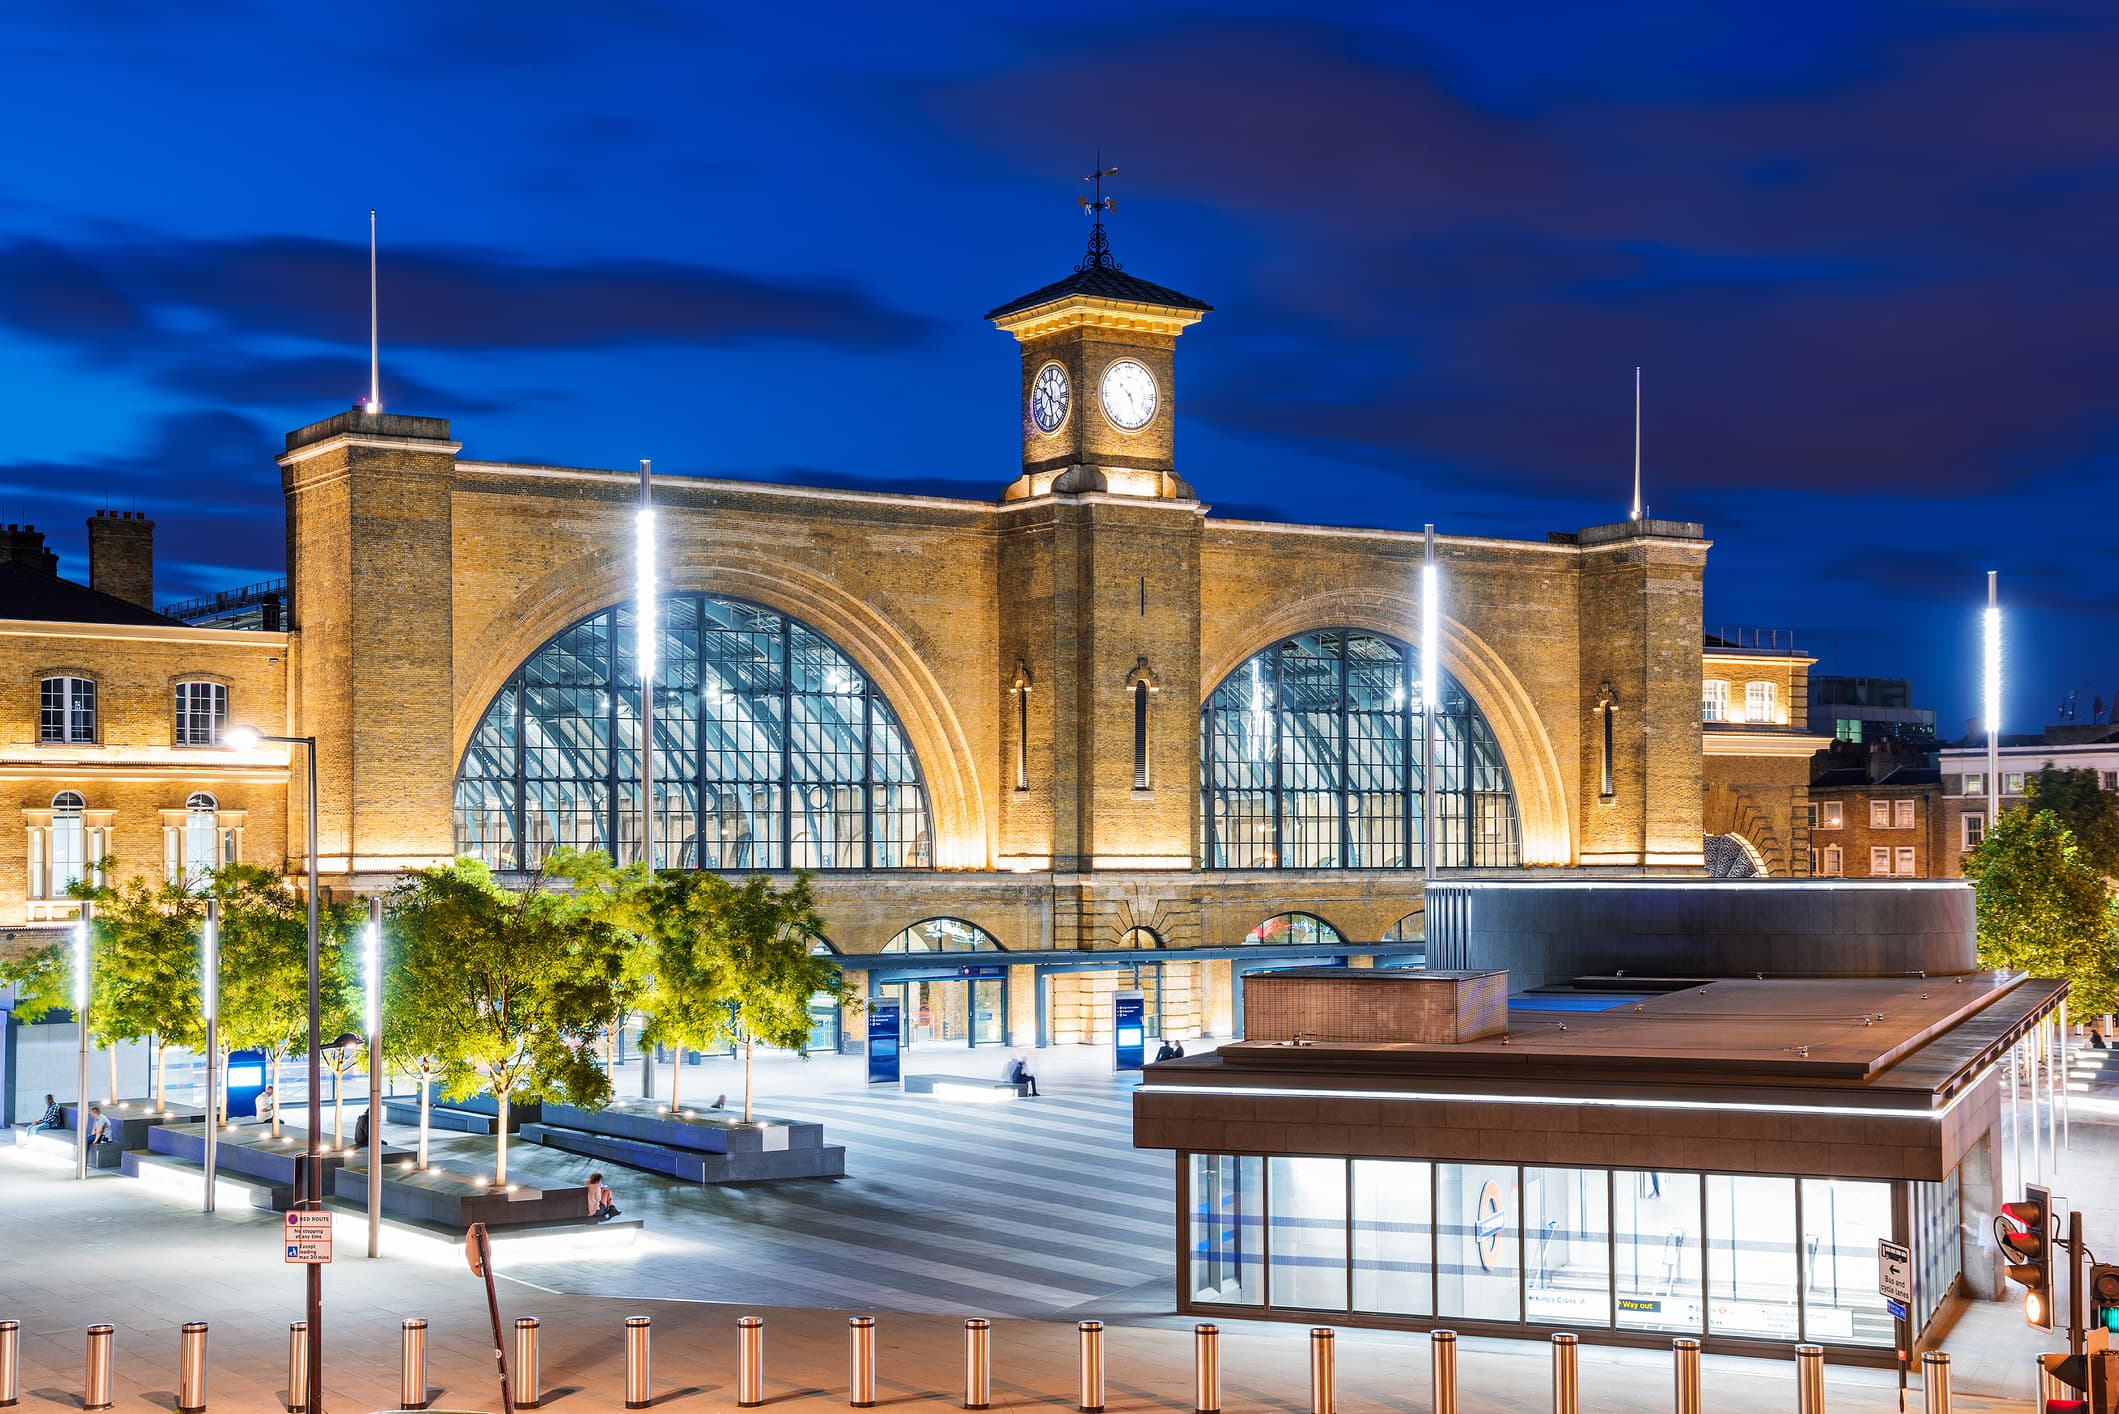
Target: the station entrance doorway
pixel 951 1009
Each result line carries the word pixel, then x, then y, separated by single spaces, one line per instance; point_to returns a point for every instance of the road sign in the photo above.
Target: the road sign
pixel 1897 1309
pixel 308 1236
pixel 1894 1272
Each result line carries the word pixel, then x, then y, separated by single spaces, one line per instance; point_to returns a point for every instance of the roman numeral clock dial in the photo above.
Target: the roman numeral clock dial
pixel 1048 398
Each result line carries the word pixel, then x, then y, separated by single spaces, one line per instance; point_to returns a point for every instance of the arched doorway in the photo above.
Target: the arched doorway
pixel 957 1003
pixel 1733 857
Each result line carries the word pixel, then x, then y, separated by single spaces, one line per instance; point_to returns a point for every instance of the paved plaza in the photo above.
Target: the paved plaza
pixel 1035 1213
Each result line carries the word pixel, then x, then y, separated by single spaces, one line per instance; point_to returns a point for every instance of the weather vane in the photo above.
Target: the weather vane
pixel 1099 254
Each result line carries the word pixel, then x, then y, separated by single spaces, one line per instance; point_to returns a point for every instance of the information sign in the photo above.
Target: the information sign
pixel 308 1236
pixel 1894 1272
pixel 885 1023
pixel 1896 1308
pixel 1129 1030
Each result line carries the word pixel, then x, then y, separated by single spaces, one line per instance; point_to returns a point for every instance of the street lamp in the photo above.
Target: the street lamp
pixel 243 739
pixel 1430 699
pixel 1993 698
pixel 372 961
pixel 210 1005
pixel 81 1025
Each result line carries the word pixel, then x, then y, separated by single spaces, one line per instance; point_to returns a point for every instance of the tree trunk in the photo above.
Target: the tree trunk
pixel 113 1074
pixel 426 1108
pixel 161 1073
pixel 274 1058
pixel 500 1134
pixel 676 1076
pixel 748 1047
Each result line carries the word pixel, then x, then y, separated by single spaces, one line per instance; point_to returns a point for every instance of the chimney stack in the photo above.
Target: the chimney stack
pixel 24 545
pixel 121 556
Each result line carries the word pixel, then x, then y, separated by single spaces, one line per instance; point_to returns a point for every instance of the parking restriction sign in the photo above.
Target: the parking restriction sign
pixel 308 1237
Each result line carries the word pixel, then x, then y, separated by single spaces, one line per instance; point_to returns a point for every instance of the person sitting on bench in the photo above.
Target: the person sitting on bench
pixel 602 1204
pixel 54 1116
pixel 1017 1072
pixel 98 1125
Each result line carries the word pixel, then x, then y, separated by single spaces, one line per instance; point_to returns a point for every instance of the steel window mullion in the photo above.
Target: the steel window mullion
pixel 1345 772
pixel 1802 1275
pixel 868 776
pixel 786 850
pixel 1280 752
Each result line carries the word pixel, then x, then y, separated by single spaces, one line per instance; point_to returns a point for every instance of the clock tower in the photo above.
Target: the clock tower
pixel 1098 398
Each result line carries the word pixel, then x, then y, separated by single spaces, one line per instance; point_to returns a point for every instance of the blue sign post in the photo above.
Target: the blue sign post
pixel 1129 1031
pixel 246 1081
pixel 884 1035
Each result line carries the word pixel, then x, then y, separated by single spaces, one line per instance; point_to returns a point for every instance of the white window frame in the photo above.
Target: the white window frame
pixel 199 723
pixel 1831 814
pixel 1879 854
pixel 2012 782
pixel 1905 863
pixel 1904 815
pixel 1761 703
pixel 77 700
pixel 1714 700
pixel 1833 866
pixel 1971 829
pixel 1975 783
pixel 1879 814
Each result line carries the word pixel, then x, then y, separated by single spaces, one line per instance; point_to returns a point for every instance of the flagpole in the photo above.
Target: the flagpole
pixel 1993 699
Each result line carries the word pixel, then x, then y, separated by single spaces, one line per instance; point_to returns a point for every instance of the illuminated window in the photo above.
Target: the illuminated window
pixel 943 935
pixel 1831 814
pixel 1902 814
pixel 1879 814
pixel 1714 701
pixel 1975 785
pixel 1311 757
pixel 202 710
pixel 1902 857
pixel 1140 736
pixel 773 750
pixel 1291 929
pixel 1760 703
pixel 66 845
pixel 1879 859
pixel 69 711
pixel 2012 783
pixel 1832 867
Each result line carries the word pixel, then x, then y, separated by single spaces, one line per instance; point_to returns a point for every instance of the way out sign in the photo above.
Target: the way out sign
pixel 1894 1272
pixel 308 1236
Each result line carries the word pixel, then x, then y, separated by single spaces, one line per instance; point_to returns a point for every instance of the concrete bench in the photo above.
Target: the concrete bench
pixel 228 1187
pixel 692 1165
pixel 106 1155
pixel 972 1086
pixel 476 1115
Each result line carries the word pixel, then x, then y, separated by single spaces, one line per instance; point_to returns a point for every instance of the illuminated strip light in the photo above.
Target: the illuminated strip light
pixel 80 969
pixel 644 591
pixel 372 962
pixel 210 967
pixel 1993 673
pixel 1275 1092
pixel 1430 637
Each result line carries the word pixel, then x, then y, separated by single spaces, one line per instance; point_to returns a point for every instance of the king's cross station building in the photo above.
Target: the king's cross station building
pixel 1082 738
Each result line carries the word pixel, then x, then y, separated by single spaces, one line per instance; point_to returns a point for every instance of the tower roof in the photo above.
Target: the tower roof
pixel 1104 282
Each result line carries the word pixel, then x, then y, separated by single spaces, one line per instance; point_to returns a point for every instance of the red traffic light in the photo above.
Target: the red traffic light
pixel 2028 1211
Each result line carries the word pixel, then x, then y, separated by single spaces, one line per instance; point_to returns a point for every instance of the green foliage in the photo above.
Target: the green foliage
pixel 2086 808
pixel 144 961
pixel 687 1000
pixel 613 909
pixel 264 947
pixel 2043 908
pixel 772 974
pixel 43 979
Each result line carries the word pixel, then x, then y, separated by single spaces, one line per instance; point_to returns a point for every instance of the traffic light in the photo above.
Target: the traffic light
pixel 2023 1230
pixel 2104 1297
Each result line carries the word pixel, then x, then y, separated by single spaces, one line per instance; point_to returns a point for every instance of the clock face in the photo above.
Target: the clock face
pixel 1129 394
pixel 1048 398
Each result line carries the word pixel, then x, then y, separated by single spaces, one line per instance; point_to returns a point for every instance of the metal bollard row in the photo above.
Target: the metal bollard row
pixel 95 1381
pixel 523 1382
pixel 297 1366
pixel 1566 1373
pixel 1324 1371
pixel 191 1368
pixel 861 1362
pixel 978 1363
pixel 10 1363
pixel 412 1364
pixel 1809 1379
pixel 1445 1368
pixel 1685 1356
pixel 639 1382
pixel 1935 1381
pixel 1206 1369
pixel 1089 1387
pixel 750 1362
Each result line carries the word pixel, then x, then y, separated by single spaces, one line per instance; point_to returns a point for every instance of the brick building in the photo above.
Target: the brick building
pixel 2069 746
pixel 1088 730
pixel 1877 813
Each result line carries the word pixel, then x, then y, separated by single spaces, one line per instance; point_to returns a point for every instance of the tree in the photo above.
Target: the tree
pixel 43 979
pixel 625 901
pixel 144 967
pixel 2043 909
pixel 2085 807
pixel 688 1001
pixel 499 966
pixel 264 950
pixel 771 976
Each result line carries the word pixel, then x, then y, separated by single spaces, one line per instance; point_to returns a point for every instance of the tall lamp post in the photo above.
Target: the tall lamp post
pixel 644 657
pixel 81 932
pixel 210 1005
pixel 1430 700
pixel 1993 698
pixel 373 960
pixel 243 739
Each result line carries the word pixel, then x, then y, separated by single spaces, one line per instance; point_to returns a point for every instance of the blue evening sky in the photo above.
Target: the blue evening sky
pixel 1864 252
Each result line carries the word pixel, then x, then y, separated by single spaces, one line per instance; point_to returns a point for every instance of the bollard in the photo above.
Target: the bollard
pixel 861 1362
pixel 1935 1380
pixel 522 1370
pixel 1206 1370
pixel 412 1364
pixel 1445 1364
pixel 978 1363
pixel 297 1365
pixel 1685 1354
pixel 639 1384
pixel 750 1362
pixel 191 1368
pixel 95 1383
pixel 1324 1376
pixel 1809 1379
pixel 1089 1388
pixel 10 1362
pixel 1566 1373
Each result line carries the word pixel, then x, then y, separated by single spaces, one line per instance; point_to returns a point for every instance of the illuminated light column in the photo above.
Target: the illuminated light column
pixel 1430 698
pixel 210 1008
pixel 644 652
pixel 81 929
pixel 1993 702
pixel 372 965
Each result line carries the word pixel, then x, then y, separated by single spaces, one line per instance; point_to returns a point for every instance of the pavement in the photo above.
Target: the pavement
pixel 1033 1213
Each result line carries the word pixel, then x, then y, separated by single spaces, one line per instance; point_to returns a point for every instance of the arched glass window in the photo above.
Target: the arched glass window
pixel 1409 929
pixel 1310 759
pixel 1733 857
pixel 944 935
pixel 201 836
pixel 1138 938
pixel 772 750
pixel 69 843
pixel 1293 930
